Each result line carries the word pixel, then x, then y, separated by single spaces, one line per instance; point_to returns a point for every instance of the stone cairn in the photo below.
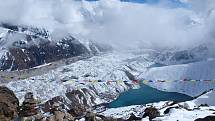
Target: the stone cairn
pixel 58 114
pixel 29 106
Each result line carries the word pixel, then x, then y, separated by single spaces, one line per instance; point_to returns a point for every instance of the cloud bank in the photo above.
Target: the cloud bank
pixel 122 24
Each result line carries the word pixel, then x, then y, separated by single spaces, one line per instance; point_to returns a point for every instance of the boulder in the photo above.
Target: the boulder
pixel 208 118
pixel 169 109
pixel 8 104
pixel 134 118
pixel 151 112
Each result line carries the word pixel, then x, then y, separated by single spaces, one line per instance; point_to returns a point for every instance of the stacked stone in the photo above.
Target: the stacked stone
pixel 59 114
pixel 29 106
pixel 90 116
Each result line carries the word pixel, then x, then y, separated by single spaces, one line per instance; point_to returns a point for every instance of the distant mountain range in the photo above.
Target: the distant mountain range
pixel 24 47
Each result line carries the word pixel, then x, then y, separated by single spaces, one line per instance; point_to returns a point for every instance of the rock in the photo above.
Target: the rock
pixel 29 106
pixel 76 102
pixel 211 109
pixel 57 110
pixel 169 109
pixel 133 118
pixel 185 106
pixel 208 118
pixel 29 118
pixel 59 116
pixel 69 117
pixel 90 116
pixel 104 118
pixel 8 104
pixel 151 112
pixel 29 47
pixel 51 104
pixel 79 103
pixel 204 105
pixel 51 118
pixel 39 117
pixel 129 75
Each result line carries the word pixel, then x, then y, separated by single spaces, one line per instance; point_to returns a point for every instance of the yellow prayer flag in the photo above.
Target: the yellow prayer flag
pixel 145 81
pixel 71 81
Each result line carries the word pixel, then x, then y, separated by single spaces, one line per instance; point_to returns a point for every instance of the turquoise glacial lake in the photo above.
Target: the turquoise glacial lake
pixel 146 94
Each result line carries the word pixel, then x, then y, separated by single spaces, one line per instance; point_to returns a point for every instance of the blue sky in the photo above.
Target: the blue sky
pixel 170 3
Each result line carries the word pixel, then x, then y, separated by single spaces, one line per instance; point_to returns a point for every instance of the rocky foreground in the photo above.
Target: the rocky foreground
pixel 57 109
pixel 52 110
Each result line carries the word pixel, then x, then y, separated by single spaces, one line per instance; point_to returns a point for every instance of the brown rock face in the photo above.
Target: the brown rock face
pixel 208 118
pixel 19 58
pixel 75 108
pixel 29 47
pixel 151 112
pixel 8 104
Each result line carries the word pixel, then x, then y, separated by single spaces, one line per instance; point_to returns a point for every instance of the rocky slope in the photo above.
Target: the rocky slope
pixel 9 104
pixel 26 47
pixel 76 105
pixel 56 109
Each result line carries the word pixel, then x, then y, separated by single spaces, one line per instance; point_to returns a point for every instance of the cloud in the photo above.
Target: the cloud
pixel 140 25
pixel 54 15
pixel 121 24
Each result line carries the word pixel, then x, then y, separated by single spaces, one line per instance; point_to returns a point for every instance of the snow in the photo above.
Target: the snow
pixel 180 114
pixel 198 71
pixel 104 67
pixel 208 98
pixel 49 85
pixel 42 89
pixel 185 115
pixel 43 65
pixel 124 111
pixel 2 34
pixel 111 66
pixel 192 88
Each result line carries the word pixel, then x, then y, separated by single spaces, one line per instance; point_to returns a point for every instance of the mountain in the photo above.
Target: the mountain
pixel 174 56
pixel 129 65
pixel 173 64
pixel 24 47
pixel 91 83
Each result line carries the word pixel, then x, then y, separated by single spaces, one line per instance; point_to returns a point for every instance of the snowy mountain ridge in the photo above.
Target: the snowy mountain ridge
pixel 72 81
pixel 26 47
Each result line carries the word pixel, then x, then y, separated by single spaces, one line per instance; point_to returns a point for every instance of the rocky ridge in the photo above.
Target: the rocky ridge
pixel 24 47
pixel 31 109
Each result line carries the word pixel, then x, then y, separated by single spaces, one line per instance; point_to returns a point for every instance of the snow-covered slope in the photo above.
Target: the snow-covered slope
pixel 44 88
pixel 202 70
pixel 100 79
pixel 24 47
pixel 185 111
pixel 206 99
pixel 177 56
pixel 112 66
pixel 128 65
